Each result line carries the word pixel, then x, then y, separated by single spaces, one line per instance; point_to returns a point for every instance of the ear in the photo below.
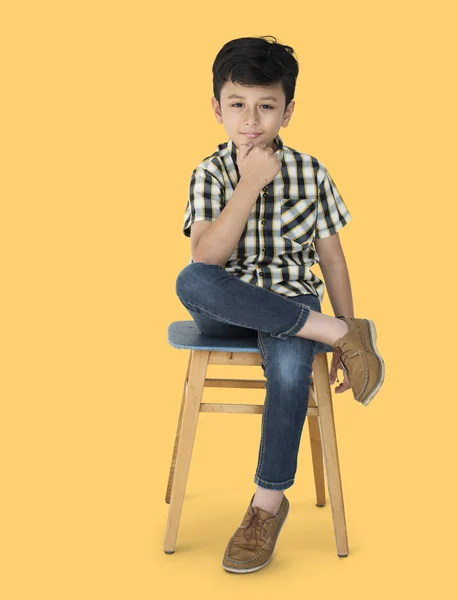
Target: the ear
pixel 288 113
pixel 217 110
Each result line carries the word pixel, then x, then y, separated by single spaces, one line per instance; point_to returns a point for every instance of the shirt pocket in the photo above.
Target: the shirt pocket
pixel 298 220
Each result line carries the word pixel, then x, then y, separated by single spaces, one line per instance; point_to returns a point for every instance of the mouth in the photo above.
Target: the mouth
pixel 251 135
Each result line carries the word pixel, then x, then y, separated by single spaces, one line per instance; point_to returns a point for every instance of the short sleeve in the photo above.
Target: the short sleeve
pixel 333 213
pixel 205 200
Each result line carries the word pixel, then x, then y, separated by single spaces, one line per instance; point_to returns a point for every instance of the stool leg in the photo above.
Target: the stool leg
pixel 177 435
pixel 331 457
pixel 317 451
pixel 190 418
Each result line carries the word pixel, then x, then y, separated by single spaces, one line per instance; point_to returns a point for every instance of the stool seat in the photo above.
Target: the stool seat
pixel 243 351
pixel 186 334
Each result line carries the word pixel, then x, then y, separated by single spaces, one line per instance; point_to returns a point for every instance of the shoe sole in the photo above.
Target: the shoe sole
pixel 372 338
pixel 234 570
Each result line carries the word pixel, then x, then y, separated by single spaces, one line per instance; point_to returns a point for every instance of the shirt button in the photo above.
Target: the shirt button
pixel 263 222
pixel 261 275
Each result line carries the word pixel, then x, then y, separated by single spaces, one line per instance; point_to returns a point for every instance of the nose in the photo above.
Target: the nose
pixel 251 117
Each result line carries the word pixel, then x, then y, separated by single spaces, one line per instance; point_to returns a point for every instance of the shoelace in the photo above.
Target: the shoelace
pixel 336 355
pixel 255 524
pixel 337 359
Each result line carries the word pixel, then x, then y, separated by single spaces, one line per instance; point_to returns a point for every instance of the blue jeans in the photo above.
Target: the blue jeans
pixel 223 305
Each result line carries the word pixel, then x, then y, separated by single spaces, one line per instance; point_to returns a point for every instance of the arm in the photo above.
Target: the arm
pixel 335 273
pixel 217 242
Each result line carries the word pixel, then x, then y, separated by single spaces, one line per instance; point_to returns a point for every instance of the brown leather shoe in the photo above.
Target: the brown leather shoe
pixel 252 545
pixel 359 357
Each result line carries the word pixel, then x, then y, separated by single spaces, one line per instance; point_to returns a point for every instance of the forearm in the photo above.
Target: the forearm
pixel 218 242
pixel 338 286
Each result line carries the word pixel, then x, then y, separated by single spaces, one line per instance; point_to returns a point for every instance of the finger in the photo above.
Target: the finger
pixel 244 149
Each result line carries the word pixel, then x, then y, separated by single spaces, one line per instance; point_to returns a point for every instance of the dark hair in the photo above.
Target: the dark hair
pixel 256 61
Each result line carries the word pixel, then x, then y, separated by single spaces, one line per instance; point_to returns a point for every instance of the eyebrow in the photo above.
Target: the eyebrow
pixel 262 98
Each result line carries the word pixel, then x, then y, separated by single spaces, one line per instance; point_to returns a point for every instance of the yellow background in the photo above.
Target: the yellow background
pixel 106 112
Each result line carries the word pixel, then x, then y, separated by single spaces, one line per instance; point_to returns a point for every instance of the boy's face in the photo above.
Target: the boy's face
pixel 252 112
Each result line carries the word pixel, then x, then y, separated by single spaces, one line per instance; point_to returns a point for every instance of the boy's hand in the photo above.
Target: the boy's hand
pixel 344 386
pixel 258 162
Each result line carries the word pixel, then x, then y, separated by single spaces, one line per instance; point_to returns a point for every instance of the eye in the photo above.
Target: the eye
pixel 268 105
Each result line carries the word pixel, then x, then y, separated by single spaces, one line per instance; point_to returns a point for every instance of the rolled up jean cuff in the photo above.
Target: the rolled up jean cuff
pixel 300 322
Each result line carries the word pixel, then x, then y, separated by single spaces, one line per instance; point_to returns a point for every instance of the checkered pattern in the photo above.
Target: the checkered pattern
pixel 276 249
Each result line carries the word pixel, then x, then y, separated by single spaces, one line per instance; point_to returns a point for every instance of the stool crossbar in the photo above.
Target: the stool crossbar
pixel 206 350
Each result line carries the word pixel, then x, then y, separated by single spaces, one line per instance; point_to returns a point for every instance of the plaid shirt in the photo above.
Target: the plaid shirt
pixel 276 249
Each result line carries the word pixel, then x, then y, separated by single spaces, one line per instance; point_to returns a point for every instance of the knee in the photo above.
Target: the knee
pixel 183 280
pixel 292 375
pixel 188 278
pixel 291 379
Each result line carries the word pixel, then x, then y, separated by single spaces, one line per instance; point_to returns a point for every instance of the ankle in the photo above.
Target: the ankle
pixel 323 328
pixel 340 329
pixel 269 500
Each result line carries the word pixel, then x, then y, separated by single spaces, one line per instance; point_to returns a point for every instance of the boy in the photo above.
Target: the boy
pixel 259 215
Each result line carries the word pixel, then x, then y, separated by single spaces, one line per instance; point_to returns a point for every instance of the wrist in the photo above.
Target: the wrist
pixel 252 182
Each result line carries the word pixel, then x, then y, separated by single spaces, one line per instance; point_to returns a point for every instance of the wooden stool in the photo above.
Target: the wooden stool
pixel 206 350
